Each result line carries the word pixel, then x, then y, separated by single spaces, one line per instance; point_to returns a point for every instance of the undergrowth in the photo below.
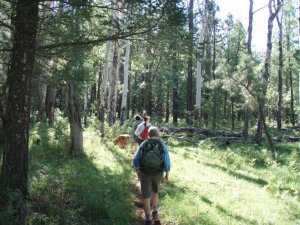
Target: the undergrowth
pixel 210 184
pixel 235 184
pixel 95 188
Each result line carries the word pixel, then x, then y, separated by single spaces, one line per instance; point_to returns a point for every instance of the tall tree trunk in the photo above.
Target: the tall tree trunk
pixel 189 95
pixel 93 96
pixel 261 112
pixel 99 82
pixel 148 101
pixel 85 106
pixel 50 103
pixel 65 92
pixel 175 89
pixel 250 28
pixel 280 65
pixel 113 84
pixel 290 81
pixel 14 174
pixel 199 64
pixel 225 104
pixel 133 96
pixel 214 113
pixel 42 91
pixel 76 135
pixel 198 90
pixel 125 84
pixel 293 120
pixel 249 50
pixel 299 56
pixel 261 98
pixel 168 105
pixel 103 94
pixel 232 114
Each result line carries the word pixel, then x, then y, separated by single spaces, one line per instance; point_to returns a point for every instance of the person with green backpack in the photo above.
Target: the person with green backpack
pixel 151 161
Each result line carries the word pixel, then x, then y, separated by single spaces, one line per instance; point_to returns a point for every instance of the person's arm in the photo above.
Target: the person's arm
pixel 167 162
pixel 137 157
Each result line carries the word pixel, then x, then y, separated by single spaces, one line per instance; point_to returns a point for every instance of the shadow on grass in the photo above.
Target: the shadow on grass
pixel 226 212
pixel 257 181
pixel 72 190
pixel 183 218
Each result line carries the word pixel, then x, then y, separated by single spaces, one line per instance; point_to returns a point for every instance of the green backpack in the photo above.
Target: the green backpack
pixel 151 158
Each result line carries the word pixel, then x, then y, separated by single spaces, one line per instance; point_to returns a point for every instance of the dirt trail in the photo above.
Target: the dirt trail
pixel 138 202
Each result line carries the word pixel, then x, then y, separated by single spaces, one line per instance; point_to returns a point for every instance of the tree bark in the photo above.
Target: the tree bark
pixel 42 91
pixel 266 73
pixel 280 65
pixel 250 28
pixel 50 103
pixel 293 120
pixel 214 113
pixel 125 84
pixel 113 84
pixel 249 51
pixel 199 64
pixel 103 94
pixel 85 106
pixel 99 82
pixel 175 89
pixel 189 87
pixel 232 114
pixel 93 97
pixel 14 174
pixel 76 135
pixel 261 113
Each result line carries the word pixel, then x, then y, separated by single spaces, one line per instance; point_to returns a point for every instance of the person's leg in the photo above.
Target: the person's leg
pixel 154 195
pixel 154 198
pixel 146 192
pixel 154 201
pixel 147 208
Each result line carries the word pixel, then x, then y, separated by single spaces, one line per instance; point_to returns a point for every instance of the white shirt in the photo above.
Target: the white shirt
pixel 141 127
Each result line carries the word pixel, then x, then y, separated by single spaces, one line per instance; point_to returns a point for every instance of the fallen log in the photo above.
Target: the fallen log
pixel 190 134
pixel 192 130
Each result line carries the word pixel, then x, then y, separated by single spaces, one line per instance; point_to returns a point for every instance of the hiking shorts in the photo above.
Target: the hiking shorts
pixel 149 183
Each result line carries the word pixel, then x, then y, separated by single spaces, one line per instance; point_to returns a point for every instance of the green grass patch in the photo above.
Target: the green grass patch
pixel 95 188
pixel 209 184
pixel 239 184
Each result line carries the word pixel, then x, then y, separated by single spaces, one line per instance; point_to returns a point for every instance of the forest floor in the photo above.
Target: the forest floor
pixel 209 184
pixel 138 202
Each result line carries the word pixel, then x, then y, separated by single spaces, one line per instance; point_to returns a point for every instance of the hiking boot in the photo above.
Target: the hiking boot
pixel 155 215
pixel 148 222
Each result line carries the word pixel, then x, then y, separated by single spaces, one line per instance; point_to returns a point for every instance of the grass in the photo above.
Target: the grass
pixel 209 184
pixel 95 188
pixel 234 185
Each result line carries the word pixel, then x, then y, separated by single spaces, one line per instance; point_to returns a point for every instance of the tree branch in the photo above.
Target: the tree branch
pixel 92 42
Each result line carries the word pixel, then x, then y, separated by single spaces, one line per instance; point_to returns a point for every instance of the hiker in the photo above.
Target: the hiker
pixel 142 130
pixel 151 161
pixel 138 120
